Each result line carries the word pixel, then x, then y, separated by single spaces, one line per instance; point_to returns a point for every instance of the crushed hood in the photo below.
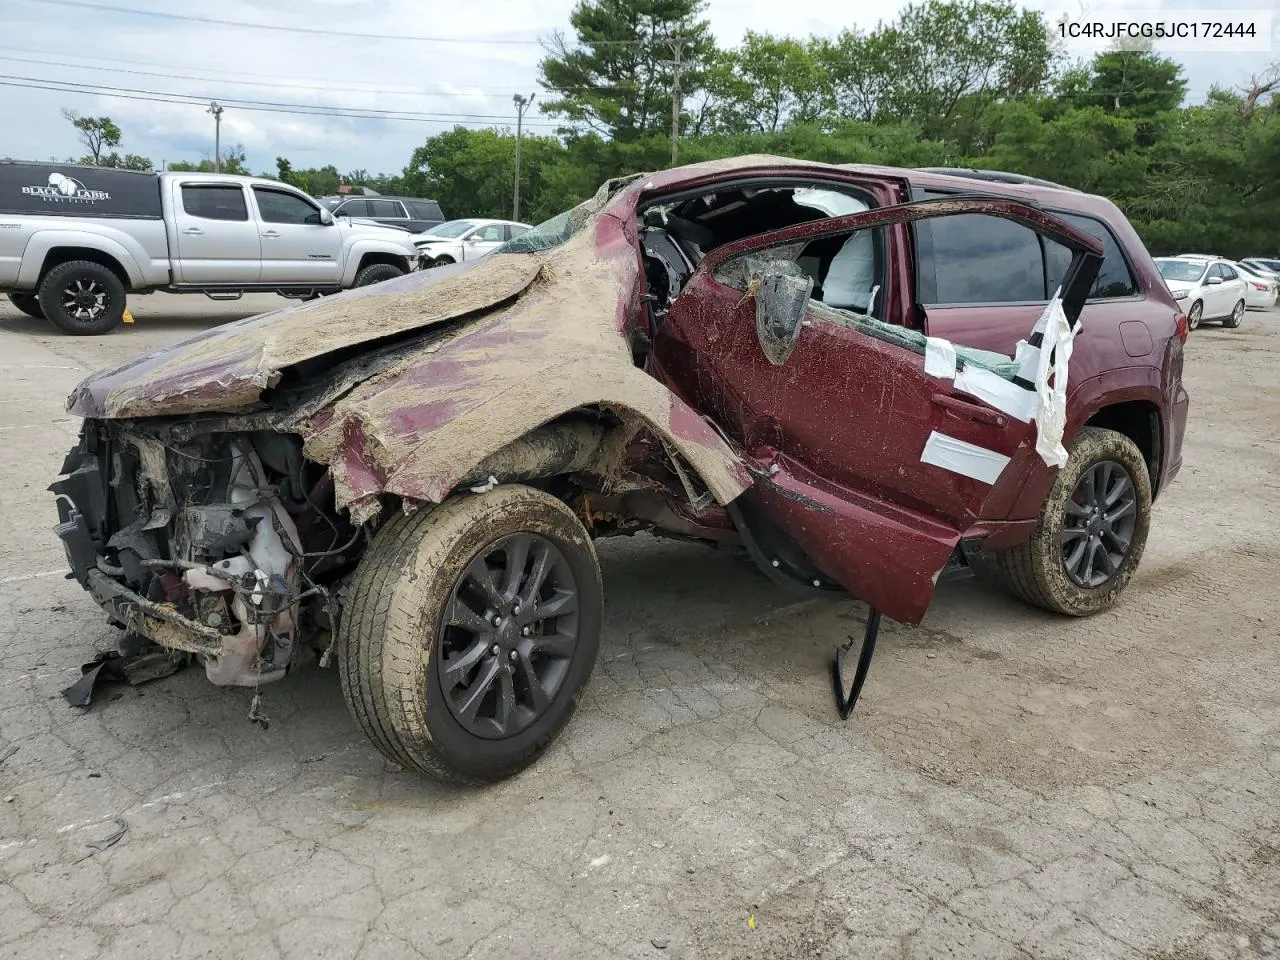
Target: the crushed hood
pixel 227 369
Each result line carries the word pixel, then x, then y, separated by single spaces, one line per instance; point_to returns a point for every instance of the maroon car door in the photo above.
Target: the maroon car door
pixel 873 467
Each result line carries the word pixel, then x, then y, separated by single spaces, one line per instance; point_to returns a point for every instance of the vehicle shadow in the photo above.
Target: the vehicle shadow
pixel 690 634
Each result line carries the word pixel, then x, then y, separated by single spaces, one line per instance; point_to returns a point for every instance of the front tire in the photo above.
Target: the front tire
pixel 1237 316
pixel 438 592
pixel 376 273
pixel 1194 314
pixel 82 298
pixel 1091 531
pixel 28 304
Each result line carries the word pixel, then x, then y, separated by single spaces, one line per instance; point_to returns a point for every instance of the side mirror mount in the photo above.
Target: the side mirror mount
pixel 326 218
pixel 781 291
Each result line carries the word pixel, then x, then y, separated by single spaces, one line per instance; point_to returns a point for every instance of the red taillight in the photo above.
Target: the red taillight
pixel 1182 328
pixel 1260 286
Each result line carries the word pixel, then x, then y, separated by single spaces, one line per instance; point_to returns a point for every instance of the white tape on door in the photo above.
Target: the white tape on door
pixel 963 458
pixel 939 358
pixel 994 390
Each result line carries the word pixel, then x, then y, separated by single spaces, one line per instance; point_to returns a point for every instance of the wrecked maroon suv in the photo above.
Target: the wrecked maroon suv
pixel 865 377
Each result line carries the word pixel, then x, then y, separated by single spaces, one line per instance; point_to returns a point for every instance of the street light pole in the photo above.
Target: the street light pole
pixel 217 136
pixel 522 104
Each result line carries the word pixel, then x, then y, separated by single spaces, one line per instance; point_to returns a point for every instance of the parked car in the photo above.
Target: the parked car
pixel 1266 265
pixel 411 214
pixel 460 240
pixel 1209 289
pixel 844 370
pixel 78 240
pixel 1260 288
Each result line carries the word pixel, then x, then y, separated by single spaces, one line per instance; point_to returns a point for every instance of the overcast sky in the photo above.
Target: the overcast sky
pixel 449 80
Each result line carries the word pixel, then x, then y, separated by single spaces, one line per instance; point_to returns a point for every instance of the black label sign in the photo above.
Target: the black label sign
pixel 69 190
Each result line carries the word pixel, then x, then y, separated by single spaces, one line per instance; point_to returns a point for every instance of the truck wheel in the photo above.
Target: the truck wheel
pixel 1091 531
pixel 376 273
pixel 82 298
pixel 470 632
pixel 28 304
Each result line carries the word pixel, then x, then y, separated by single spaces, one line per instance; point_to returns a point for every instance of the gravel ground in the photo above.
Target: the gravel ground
pixel 1013 784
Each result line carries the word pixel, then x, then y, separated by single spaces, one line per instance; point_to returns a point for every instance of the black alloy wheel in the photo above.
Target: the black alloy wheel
pixel 508 635
pixel 1099 523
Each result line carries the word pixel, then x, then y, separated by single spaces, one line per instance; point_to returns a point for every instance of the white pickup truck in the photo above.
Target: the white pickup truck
pixel 74 241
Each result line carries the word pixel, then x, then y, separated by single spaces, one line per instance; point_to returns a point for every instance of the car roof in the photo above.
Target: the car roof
pixel 483 221
pixel 380 196
pixel 998 183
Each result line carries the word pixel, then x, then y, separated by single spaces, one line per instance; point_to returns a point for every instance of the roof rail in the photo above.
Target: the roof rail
pixel 997 176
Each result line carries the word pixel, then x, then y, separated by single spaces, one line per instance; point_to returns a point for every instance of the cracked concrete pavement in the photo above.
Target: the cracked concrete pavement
pixel 1013 784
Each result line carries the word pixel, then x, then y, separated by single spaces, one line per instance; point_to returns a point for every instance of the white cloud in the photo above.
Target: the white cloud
pixel 476 80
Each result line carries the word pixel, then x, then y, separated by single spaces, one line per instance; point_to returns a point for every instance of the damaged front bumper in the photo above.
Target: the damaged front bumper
pixel 190 548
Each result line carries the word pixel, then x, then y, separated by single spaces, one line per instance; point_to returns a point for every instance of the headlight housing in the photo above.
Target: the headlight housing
pixel 1181 294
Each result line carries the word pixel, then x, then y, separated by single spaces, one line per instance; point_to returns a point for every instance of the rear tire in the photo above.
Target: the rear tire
pixel 1237 316
pixel 82 298
pixel 376 273
pixel 415 641
pixel 28 304
pixel 1043 571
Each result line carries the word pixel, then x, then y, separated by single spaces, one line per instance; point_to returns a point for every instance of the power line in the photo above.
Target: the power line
pixel 407 91
pixel 297 109
pixel 276 80
pixel 317 31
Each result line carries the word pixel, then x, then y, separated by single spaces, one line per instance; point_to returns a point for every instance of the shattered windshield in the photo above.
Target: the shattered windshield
pixel 553 232
pixel 1184 270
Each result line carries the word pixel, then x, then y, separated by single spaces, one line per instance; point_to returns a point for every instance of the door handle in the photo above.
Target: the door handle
pixel 193 232
pixel 970 411
pixel 270 233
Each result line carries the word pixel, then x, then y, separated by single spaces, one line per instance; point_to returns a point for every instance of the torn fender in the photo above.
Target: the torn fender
pixel 420 428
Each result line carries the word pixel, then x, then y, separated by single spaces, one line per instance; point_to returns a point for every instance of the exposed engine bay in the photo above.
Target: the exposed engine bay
pixel 227 544
pixel 219 545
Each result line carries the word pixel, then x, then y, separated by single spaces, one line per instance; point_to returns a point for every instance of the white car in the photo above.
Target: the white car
pixel 458 240
pixel 1205 288
pixel 1267 266
pixel 1260 287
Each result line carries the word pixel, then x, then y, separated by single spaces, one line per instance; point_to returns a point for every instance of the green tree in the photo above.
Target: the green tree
pixel 233 161
pixel 764 85
pixel 1086 148
pixel 130 161
pixel 471 173
pixel 96 133
pixel 616 75
pixel 284 171
pixel 1133 82
pixel 941 64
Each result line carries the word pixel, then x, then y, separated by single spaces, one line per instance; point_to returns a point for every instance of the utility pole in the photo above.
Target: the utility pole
pixel 677 49
pixel 522 104
pixel 217 136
